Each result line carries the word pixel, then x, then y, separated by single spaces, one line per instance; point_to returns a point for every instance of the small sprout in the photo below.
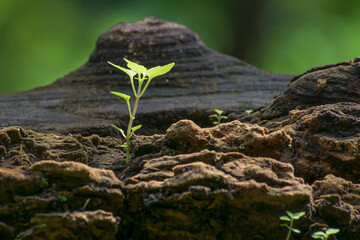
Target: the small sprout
pixel 86 203
pixel 290 218
pixel 325 235
pixel 218 116
pixel 144 77
pixel 249 111
pixel 63 198
pixel 42 225
pixel 241 147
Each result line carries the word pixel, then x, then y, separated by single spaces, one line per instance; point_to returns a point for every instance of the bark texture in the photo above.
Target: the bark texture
pixel 201 80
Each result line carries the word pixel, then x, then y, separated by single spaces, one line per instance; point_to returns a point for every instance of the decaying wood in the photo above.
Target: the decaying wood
pixel 201 80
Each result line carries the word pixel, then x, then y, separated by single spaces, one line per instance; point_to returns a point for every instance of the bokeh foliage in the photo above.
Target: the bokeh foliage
pixel 42 40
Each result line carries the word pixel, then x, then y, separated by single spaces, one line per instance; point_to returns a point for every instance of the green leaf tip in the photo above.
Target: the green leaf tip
pixel 133 129
pixel 285 218
pixel 139 69
pixel 120 130
pixel 122 95
pixel 298 215
pixel 129 72
pixel 159 70
pixel 331 231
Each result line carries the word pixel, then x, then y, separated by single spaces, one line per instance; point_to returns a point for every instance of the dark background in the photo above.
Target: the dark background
pixel 42 40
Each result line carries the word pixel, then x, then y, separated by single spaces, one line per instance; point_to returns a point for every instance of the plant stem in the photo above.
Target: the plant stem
pixel 128 132
pixel 290 229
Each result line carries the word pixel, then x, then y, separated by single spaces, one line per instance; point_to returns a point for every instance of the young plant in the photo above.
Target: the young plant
pixel 143 77
pixel 325 235
pixel 290 218
pixel 218 116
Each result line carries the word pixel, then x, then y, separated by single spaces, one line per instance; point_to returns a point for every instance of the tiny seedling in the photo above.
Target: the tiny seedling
pixel 86 203
pixel 325 235
pixel 143 77
pixel 63 198
pixel 218 116
pixel 290 218
pixel 249 111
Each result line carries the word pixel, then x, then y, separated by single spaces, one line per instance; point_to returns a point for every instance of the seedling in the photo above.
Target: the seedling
pixel 143 77
pixel 86 203
pixel 62 198
pixel 249 111
pixel 325 235
pixel 218 116
pixel 290 218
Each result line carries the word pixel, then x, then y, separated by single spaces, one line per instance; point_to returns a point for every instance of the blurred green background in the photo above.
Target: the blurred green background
pixel 42 40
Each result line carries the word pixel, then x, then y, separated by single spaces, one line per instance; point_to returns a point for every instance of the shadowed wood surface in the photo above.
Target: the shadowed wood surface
pixel 201 80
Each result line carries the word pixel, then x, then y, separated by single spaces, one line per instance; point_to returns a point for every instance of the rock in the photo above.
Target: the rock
pixel 325 140
pixel 187 137
pixel 336 202
pixel 207 195
pixel 35 147
pixel 47 201
pixel 328 84
pixel 75 225
pixel 201 80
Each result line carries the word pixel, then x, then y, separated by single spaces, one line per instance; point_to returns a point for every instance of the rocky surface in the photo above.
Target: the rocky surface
pixel 201 80
pixel 190 183
pixel 230 181
pixel 48 201
pixel 326 140
pixel 319 86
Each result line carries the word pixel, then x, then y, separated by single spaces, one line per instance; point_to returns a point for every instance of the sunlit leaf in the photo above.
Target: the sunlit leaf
pixel 124 96
pixel 139 69
pixel 318 235
pixel 296 230
pixel 120 130
pixel 218 111
pixel 133 129
pixel 129 72
pixel 290 214
pixel 331 231
pixel 298 215
pixel 159 70
pixel 285 218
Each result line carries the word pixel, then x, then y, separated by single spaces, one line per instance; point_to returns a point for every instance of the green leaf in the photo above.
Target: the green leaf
pixel 298 215
pixel 159 70
pixel 213 116
pixel 218 111
pixel 296 230
pixel 331 231
pixel 133 129
pixel 120 130
pixel 124 145
pixel 249 111
pixel 139 69
pixel 318 235
pixel 224 117
pixel 285 218
pixel 290 214
pixel 129 72
pixel 124 96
